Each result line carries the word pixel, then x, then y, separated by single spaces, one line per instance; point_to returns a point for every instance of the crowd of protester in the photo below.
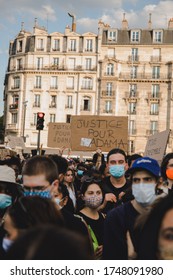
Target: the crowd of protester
pixel 115 207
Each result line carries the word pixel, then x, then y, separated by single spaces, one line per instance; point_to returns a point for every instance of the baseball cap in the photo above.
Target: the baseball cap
pixel 7 174
pixel 148 164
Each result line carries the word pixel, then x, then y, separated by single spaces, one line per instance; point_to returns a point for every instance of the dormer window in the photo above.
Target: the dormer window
pixel 135 36
pixel 112 35
pixel 157 36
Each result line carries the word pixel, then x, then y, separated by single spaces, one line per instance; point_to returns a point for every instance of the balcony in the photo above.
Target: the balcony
pixel 87 87
pixel 151 132
pixel 108 94
pixel 133 58
pixel 40 49
pixel 89 50
pixel 56 49
pixel 109 111
pixel 132 132
pixel 131 95
pixel 133 112
pixel 142 76
pixel 12 126
pixel 154 113
pixel 52 105
pixel 54 87
pixel 68 106
pixel 109 74
pixel 155 97
pixel 36 104
pixel 17 87
pixel 155 59
pixel 13 106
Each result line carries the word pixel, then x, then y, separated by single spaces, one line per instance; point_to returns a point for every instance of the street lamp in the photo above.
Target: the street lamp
pixel 24 116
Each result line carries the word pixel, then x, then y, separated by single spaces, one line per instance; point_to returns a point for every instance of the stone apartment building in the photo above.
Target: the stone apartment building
pixel 117 72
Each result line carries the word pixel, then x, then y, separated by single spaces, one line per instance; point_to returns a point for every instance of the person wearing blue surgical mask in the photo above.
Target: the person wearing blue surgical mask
pixel 116 187
pixel 40 177
pixel 119 224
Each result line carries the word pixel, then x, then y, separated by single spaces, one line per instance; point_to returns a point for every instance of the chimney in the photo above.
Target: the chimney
pixel 170 23
pixel 67 30
pixel 124 22
pixel 149 22
pixel 73 22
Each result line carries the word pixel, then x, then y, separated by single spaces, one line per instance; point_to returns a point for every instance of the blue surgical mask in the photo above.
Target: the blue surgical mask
pixel 6 244
pixel 144 193
pixel 45 194
pixel 58 200
pixel 5 200
pixel 80 172
pixel 117 170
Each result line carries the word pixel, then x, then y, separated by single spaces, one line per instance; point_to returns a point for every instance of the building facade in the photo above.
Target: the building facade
pixel 117 72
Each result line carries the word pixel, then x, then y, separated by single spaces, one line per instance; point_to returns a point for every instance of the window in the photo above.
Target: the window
pixel 153 127
pixel 86 104
pixel 38 82
pixel 88 63
pixel 110 69
pixel 72 63
pixel 52 117
pixel 134 72
pixel 36 100
pixel 70 82
pixel 132 127
pixel 40 46
pixel 89 45
pixel 135 36
pixel 133 90
pixel 20 46
pixel 14 118
pixel 112 35
pixel 56 61
pixel 53 101
pixel 108 106
pixel 68 118
pixel 134 54
pixel 69 101
pixel 109 89
pixel 132 108
pixel 155 91
pixel 56 45
pixel 19 64
pixel 54 82
pixel 16 82
pixel 131 145
pixel 154 109
pixel 72 45
pixel 39 63
pixel 156 72
pixel 157 36
pixel 87 83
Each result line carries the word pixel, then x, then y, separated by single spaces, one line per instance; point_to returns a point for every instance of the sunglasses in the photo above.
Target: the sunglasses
pixel 89 179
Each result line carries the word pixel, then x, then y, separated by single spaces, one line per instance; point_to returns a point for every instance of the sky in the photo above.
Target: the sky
pixel 53 15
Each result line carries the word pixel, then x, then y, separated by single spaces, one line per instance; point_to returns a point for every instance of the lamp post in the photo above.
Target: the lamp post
pixel 24 116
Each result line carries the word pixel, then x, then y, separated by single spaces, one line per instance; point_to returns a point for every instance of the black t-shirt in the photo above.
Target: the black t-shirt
pixel 96 225
pixel 108 187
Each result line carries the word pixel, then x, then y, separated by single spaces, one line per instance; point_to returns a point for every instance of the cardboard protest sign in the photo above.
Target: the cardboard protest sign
pixel 15 142
pixel 59 134
pixel 156 145
pixel 90 132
